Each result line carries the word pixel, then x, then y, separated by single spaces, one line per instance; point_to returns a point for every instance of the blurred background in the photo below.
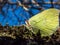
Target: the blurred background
pixel 16 12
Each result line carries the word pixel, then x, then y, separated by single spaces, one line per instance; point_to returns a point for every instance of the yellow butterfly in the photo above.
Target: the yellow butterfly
pixel 46 21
